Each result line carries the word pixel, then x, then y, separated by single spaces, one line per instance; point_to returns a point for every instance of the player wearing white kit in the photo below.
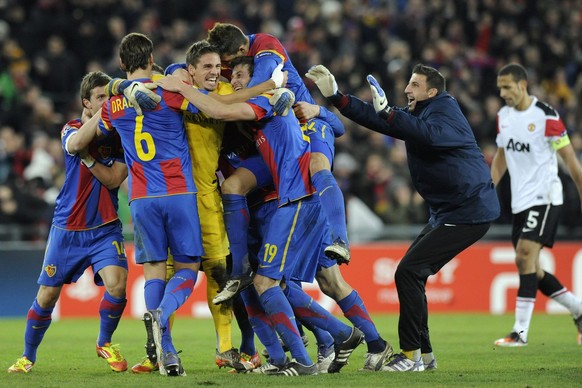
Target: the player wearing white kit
pixel 530 135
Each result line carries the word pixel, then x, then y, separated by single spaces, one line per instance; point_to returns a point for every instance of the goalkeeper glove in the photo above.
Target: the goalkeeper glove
pixel 140 95
pixel 282 100
pixel 279 76
pixel 323 79
pixel 379 98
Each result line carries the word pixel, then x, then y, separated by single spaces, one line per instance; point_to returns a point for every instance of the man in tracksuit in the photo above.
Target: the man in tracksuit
pixel 448 170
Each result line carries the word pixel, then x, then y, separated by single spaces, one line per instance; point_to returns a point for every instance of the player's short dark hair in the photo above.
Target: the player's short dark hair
pixel 135 51
pixel 245 61
pixel 91 81
pixel 514 69
pixel 434 79
pixel 227 38
pixel 157 68
pixel 197 50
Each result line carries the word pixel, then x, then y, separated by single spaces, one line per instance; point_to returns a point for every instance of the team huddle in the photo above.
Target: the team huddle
pixel 228 161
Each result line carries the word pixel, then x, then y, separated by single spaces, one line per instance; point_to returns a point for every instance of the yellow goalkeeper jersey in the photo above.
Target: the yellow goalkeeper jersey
pixel 205 140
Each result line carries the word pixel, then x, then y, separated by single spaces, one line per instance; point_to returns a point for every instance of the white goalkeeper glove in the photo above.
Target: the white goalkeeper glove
pixel 379 97
pixel 279 76
pixel 323 79
pixel 141 95
pixel 282 100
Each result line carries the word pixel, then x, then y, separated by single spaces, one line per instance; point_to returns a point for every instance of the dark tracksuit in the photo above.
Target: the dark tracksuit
pixel 449 171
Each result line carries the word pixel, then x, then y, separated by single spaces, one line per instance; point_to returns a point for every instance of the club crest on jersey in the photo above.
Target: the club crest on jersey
pixel 50 270
pixel 531 127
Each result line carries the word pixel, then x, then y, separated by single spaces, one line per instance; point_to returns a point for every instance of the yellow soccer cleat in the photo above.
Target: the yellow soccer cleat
pixel 22 365
pixel 111 354
pixel 145 366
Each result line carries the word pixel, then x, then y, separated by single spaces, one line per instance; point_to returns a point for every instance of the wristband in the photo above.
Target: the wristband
pixel 88 161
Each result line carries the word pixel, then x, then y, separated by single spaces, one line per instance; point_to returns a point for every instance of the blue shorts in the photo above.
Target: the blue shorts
pixel 260 219
pixel 68 253
pixel 256 164
pixel 322 141
pixel 294 230
pixel 167 222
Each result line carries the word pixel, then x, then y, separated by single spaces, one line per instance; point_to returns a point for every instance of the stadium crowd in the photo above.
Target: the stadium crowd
pixel 47 46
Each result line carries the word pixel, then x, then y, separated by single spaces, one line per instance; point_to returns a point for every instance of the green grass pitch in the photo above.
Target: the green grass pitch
pixel 463 345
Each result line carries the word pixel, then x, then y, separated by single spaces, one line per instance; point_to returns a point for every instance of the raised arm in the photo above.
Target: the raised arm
pixel 85 134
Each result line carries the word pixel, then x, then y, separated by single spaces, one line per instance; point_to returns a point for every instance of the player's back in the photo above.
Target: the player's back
pixel 285 149
pixel 155 145
pixel 264 45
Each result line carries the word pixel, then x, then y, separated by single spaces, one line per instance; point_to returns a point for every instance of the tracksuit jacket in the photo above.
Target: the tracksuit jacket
pixel 446 165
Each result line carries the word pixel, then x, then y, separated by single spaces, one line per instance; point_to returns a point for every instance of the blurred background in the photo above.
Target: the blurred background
pixel 48 45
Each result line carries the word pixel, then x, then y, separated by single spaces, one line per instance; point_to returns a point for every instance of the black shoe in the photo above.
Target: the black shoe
pixel 294 368
pixel 344 350
pixel 173 364
pixel 233 287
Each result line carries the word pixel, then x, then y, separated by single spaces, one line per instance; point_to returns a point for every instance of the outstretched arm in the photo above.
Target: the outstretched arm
pixel 208 105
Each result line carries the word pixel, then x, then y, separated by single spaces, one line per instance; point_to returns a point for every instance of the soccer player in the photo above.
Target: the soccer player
pixel 449 172
pixel 530 135
pixel 295 225
pixel 268 52
pixel 161 188
pixel 85 231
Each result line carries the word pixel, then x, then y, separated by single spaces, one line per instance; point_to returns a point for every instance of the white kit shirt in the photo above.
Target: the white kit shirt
pixel 530 139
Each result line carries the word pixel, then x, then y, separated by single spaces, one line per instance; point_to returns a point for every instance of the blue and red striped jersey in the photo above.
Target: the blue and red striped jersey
pixel 155 144
pixel 268 52
pixel 285 149
pixel 83 202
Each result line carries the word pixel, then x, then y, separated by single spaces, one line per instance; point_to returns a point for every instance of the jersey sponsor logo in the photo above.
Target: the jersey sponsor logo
pixel 517 146
pixel 50 270
pixel 526 230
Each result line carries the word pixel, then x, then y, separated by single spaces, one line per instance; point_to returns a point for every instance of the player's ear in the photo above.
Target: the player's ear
pixel 242 49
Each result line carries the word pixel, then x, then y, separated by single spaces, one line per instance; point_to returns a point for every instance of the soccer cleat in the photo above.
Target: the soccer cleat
pixel 344 350
pixel 295 368
pixel 173 364
pixel 111 354
pixel 267 369
pixel 429 362
pixel 325 356
pixel 22 365
pixel 152 320
pixel 233 287
pixel 339 251
pixel 150 344
pixel 232 359
pixel 304 338
pixel 578 323
pixel 374 361
pixel 511 340
pixel 400 363
pixel 254 360
pixel 144 366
